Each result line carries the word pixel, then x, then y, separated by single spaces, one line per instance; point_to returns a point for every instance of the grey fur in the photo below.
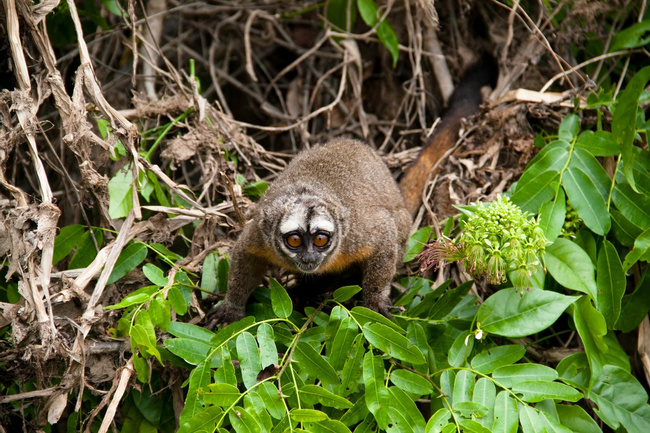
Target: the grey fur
pixel 347 182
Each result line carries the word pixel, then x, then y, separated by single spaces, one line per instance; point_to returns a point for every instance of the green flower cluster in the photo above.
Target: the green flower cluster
pixel 498 240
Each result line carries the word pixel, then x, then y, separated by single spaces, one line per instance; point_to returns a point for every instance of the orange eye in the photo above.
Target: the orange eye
pixel 293 241
pixel 321 240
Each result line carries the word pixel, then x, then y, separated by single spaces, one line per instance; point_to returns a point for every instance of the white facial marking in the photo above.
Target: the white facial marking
pixel 321 223
pixel 293 221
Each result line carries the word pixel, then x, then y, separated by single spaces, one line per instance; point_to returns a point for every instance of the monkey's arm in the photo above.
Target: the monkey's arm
pixel 387 234
pixel 247 267
pixel 378 272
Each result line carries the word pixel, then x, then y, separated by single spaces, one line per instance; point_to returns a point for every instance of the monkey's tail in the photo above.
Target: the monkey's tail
pixel 463 103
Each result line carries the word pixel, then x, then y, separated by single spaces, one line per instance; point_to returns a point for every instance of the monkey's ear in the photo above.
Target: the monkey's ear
pixel 266 218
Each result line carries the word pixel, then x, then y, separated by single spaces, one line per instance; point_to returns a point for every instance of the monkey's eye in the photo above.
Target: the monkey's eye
pixel 321 240
pixel 293 241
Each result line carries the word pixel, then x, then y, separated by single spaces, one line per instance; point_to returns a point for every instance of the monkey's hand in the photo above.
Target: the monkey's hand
pixel 380 304
pixel 226 313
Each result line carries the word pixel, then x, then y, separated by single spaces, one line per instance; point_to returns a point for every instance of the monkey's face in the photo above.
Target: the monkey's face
pixel 305 233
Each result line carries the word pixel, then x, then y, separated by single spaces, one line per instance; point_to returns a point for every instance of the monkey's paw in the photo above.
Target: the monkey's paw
pixel 225 313
pixel 382 305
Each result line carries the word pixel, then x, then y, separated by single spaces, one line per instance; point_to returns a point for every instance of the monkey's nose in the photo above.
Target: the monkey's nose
pixel 310 257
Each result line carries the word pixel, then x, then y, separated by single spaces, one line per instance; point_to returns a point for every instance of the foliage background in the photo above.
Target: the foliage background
pixel 138 134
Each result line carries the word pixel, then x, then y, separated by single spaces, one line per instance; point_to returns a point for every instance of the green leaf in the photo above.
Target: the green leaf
pixel 192 351
pixel 537 192
pixel 491 359
pixel 449 300
pixel 308 415
pixel 342 342
pixel 569 128
pixel 376 396
pixel 244 422
pixel 356 413
pixel 351 374
pixel 272 400
pixel 175 297
pixel 411 382
pixel 221 394
pixel 472 426
pixel 249 358
pixel 223 269
pixel 66 240
pixel 641 250
pixel 625 230
pixel 574 370
pixel 506 418
pixel 510 314
pixel 592 328
pixel 343 294
pixel 610 280
pixel 189 331
pixel 255 189
pixel 160 311
pixel 576 419
pixel 552 158
pixel 421 307
pixel 461 349
pixel 120 193
pixel 535 185
pixel 635 305
pixel 155 275
pixel 313 363
pixel 416 243
pixel 229 331
pixel 364 315
pixel 209 275
pixel 534 391
pixel 637 35
pixel 634 206
pixel 330 426
pixel 485 394
pixel 624 120
pixel 138 297
pixel 549 418
pixel 86 249
pixel 552 215
pixel 129 258
pixel 141 368
pixel 392 343
pixel 571 266
pixel 268 349
pixel 586 200
pixel 368 10
pixel 419 338
pixel 598 143
pixel 621 400
pixel 403 413
pixel 530 420
pixel 280 300
pixel 337 14
pixel 510 375
pixel 313 394
pixel 203 421
pixel 586 162
pixel 388 37
pixel 470 409
pixel 199 379
pixel 438 421
pixel 463 387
